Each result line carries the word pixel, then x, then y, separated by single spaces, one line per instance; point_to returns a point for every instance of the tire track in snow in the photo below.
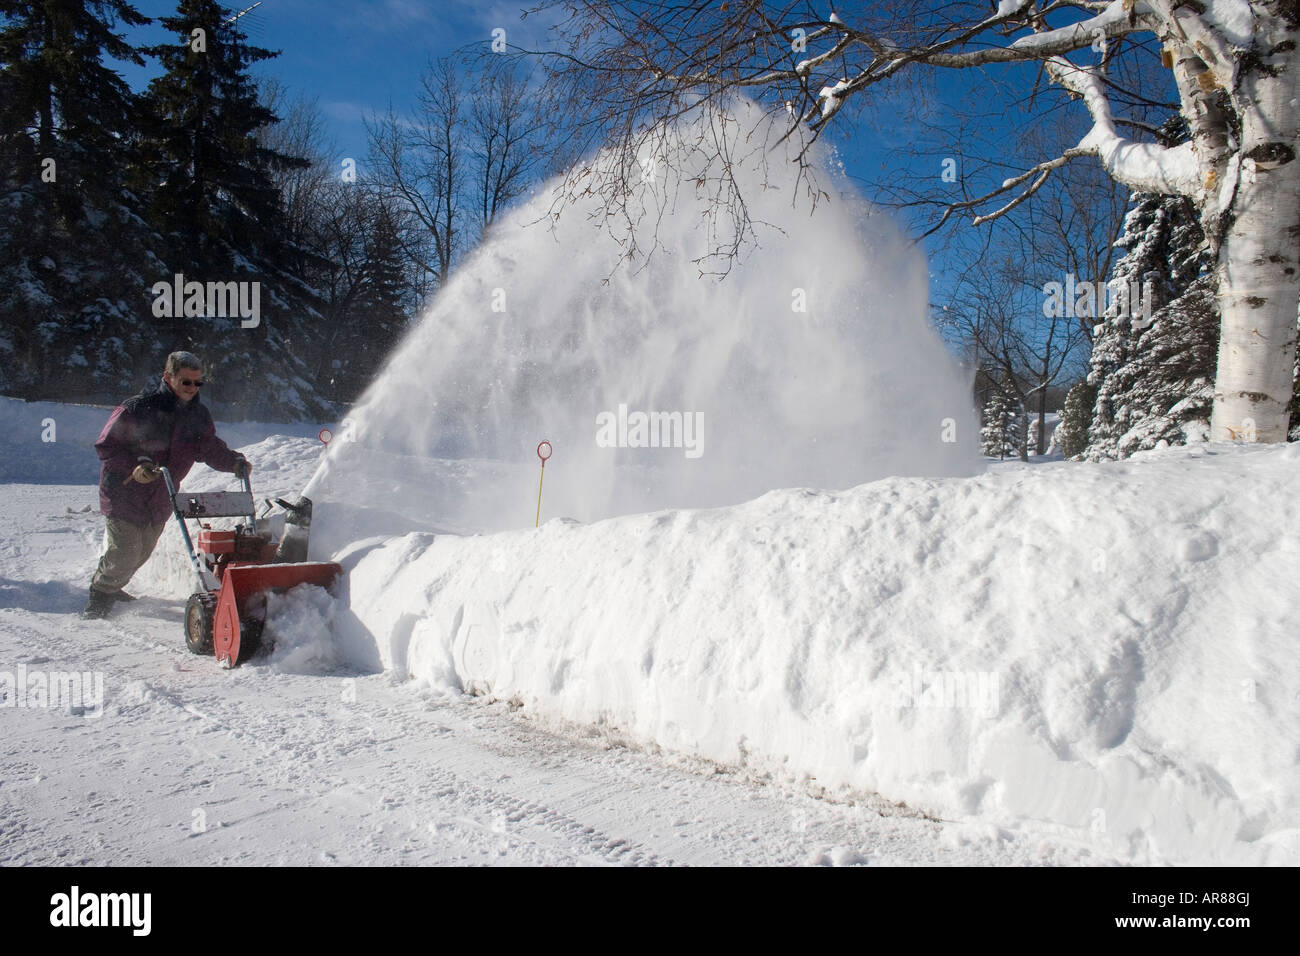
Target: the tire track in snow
pixel 287 760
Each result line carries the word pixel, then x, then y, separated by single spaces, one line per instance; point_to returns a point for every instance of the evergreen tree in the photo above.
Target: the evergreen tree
pixel 1155 350
pixel 61 102
pixel 73 244
pixel 1154 376
pixel 1294 433
pixel 1155 383
pixel 1001 434
pixel 220 211
pixel 1076 418
pixel 215 196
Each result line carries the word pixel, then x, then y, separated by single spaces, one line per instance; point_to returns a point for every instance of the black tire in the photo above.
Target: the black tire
pixel 198 623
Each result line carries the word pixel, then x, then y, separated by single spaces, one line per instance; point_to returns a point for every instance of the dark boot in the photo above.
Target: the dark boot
pixel 123 596
pixel 99 605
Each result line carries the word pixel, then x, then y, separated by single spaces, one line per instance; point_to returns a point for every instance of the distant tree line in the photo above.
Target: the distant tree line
pixel 208 212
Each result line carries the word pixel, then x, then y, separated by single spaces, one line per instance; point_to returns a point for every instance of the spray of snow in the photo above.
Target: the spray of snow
pixel 810 364
pixel 300 628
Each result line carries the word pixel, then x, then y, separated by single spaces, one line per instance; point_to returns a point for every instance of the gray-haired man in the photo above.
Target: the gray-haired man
pixel 162 426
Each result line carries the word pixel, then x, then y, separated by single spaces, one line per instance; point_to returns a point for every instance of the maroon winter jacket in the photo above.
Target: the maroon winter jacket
pixel 158 425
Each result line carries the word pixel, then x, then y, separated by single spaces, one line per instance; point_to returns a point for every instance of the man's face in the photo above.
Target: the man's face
pixel 185 383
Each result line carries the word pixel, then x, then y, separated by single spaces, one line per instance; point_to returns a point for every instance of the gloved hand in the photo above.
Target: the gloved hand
pixel 243 468
pixel 145 472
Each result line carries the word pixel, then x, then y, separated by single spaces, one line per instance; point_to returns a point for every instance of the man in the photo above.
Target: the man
pixel 163 426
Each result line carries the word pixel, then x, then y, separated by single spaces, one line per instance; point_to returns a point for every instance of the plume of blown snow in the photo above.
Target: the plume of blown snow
pixel 810 363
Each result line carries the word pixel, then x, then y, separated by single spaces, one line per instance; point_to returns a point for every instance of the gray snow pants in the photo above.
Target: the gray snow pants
pixel 129 547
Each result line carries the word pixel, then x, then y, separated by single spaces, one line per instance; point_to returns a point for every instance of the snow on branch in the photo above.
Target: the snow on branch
pixel 801 68
pixel 1143 166
pixel 1119 17
pixel 1041 171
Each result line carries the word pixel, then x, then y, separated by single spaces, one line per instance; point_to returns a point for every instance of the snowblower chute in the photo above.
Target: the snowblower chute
pixel 237 568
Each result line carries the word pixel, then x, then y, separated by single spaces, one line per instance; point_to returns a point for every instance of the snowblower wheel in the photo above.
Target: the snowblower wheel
pixel 198 623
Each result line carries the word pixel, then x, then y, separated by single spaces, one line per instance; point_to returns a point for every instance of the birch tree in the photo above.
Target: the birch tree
pixel 624 66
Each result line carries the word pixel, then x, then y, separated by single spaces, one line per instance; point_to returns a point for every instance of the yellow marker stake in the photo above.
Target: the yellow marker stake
pixel 538 519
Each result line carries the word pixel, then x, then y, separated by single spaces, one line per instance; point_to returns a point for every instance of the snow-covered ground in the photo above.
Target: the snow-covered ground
pixel 1067 663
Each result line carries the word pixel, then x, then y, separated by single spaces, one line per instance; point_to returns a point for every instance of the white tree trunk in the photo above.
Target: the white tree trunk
pixel 1259 259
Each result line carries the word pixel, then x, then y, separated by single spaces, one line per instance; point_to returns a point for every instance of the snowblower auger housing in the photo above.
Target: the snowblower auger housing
pixel 237 568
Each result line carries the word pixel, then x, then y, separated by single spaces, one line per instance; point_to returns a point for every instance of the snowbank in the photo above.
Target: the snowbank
pixel 1107 649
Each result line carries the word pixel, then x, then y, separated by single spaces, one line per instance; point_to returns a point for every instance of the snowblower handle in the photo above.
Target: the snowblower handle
pixel 206 581
pixel 252 502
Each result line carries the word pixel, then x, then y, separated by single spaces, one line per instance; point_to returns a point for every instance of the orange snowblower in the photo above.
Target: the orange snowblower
pixel 237 568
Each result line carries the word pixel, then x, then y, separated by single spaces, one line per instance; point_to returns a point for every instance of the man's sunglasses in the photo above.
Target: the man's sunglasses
pixel 191 383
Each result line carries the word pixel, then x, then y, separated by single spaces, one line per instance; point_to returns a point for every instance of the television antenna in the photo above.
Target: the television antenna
pixel 247 10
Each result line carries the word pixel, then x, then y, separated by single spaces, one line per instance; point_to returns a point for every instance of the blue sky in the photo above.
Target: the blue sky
pixel 354 58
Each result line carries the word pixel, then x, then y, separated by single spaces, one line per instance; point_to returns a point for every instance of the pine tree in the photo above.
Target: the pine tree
pixel 379 315
pixel 1001 434
pixel 215 196
pixel 60 101
pixel 1155 351
pixel 1071 434
pixel 72 243
pixel 221 212
pixel 1155 383
pixel 1294 433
